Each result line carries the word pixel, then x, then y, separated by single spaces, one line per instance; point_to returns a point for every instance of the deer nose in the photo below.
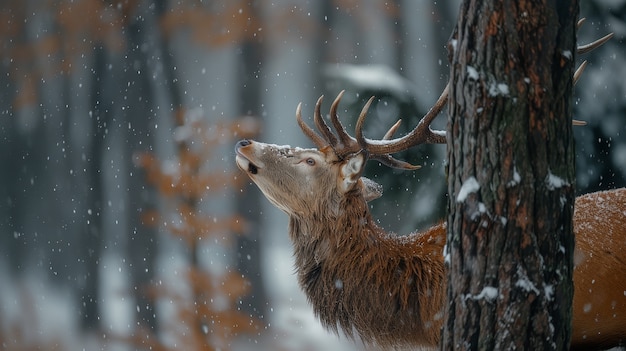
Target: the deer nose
pixel 242 143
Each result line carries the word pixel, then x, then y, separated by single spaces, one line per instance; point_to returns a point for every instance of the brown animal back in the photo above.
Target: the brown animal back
pixel 599 308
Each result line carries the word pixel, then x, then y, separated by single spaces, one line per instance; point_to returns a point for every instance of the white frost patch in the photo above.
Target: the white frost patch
pixel 516 179
pixel 489 293
pixel 496 89
pixel 548 290
pixel 503 88
pixel 446 256
pixel 454 43
pixel 554 182
pixel 567 54
pixel 437 132
pixel 504 221
pixel 263 146
pixel 469 186
pixel 527 285
pixel 472 73
pixel 482 208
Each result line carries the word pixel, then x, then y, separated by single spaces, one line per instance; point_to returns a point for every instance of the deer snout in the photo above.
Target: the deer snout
pixel 243 158
pixel 242 143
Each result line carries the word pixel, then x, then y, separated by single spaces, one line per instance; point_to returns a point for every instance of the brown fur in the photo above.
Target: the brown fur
pixel 599 307
pixel 390 290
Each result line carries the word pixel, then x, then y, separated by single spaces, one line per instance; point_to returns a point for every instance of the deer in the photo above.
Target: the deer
pixel 390 290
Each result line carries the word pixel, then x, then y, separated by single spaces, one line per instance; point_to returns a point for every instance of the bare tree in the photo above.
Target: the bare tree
pixel 511 176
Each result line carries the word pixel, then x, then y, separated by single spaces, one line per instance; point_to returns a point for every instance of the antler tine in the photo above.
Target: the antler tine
pixel 344 137
pixel 392 130
pixel 351 145
pixel 321 124
pixel 419 135
pixel 440 136
pixel 366 145
pixel 359 125
pixel 389 161
pixel 579 72
pixel 308 131
pixel 583 49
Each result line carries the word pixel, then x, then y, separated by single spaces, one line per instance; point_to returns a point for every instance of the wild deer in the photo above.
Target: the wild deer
pixel 390 290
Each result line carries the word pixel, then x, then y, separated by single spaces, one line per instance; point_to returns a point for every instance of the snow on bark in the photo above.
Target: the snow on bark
pixel 469 186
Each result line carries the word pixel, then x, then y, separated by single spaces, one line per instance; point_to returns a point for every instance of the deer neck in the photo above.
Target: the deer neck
pixel 319 233
pixel 363 281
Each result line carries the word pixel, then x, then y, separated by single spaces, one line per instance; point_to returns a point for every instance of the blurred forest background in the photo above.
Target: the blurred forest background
pixel 124 223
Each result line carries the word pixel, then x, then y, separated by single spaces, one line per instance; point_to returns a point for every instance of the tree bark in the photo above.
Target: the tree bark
pixel 511 176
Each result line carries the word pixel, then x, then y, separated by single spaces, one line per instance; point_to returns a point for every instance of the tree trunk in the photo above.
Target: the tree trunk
pixel 248 248
pixel 511 176
pixel 142 242
pixel 93 191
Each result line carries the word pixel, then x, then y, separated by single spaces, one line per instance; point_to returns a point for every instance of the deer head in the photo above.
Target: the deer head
pixel 303 181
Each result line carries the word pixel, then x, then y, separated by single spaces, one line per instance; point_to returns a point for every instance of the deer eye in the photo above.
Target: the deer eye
pixel 310 161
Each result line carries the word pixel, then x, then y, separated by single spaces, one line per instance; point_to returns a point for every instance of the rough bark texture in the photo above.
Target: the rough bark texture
pixel 510 241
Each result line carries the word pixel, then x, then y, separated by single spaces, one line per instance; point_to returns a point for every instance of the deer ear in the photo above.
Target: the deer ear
pixel 351 171
pixel 370 189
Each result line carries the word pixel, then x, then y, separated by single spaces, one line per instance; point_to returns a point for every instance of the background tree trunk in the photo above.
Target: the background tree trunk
pixel 511 176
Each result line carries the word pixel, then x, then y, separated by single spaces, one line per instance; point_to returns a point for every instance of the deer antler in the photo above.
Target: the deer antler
pixel 343 144
pixel 583 49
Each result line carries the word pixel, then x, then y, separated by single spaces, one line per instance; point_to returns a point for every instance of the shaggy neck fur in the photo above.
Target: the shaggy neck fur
pixel 387 289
